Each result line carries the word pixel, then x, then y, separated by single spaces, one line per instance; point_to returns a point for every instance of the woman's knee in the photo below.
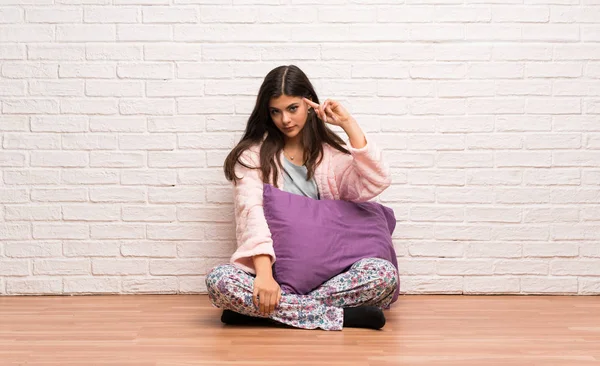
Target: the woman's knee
pixel 216 275
pixel 382 272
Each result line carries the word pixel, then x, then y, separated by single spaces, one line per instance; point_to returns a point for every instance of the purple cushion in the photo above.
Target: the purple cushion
pixel 315 240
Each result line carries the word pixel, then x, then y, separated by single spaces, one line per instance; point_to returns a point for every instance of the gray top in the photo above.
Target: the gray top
pixel 294 180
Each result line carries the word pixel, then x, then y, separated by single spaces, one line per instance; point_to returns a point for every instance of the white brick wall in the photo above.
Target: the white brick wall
pixel 116 115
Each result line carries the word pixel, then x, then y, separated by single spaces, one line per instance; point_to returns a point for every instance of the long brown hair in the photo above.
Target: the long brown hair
pixel 291 81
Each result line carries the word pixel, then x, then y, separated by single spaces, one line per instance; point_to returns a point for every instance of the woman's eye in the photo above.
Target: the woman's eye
pixel 293 109
pixel 273 111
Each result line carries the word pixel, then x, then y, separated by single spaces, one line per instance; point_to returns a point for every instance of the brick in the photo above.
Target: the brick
pixel 590 213
pixel 173 52
pixel 215 70
pixel 494 177
pixel 150 177
pixel 24 70
pixel 60 231
pixel 25 141
pixel 494 250
pixel 88 106
pixel 496 105
pixel 37 212
pixel 8 195
pixel 169 267
pixel 178 124
pixel 553 214
pixel 30 106
pixel 89 176
pixel 93 285
pixel 462 232
pixel 516 52
pixel 205 249
pixel 10 159
pixel 492 32
pixel 121 194
pixel 27 33
pixel 496 141
pixel 59 159
pixel 95 212
pixel 149 70
pixel 89 70
pixel 102 88
pixel 57 15
pixel 149 213
pixel 175 88
pixel 219 195
pixel 202 177
pixel 589 286
pixel 523 159
pixel 166 285
pixel 521 267
pixel 113 52
pixel 453 267
pixel 89 141
pixel 553 70
pixel 146 106
pixel 36 249
pixel 523 123
pixel 491 285
pixel 14 267
pixel 86 33
pixel 61 267
pixel 118 124
pixel 62 88
pixel 147 142
pixel 34 286
pixel 105 248
pixel 117 231
pixel 59 195
pixel 149 249
pixel 174 14
pixel 105 14
pixel 176 195
pixel 175 232
pixel 13 88
pixel 237 33
pixel 145 32
pixel 11 51
pixel 119 267
pixel 235 87
pixel 464 195
pixel 576 159
pixel 550 249
pixel 14 123
pixel 176 159
pixel 549 285
pixel 432 285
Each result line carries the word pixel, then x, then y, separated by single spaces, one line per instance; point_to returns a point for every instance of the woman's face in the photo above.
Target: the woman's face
pixel 289 114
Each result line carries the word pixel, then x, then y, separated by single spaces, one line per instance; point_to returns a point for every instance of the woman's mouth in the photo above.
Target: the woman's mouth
pixel 289 128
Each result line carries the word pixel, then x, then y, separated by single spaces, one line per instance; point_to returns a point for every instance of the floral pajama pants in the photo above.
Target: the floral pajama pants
pixel 370 281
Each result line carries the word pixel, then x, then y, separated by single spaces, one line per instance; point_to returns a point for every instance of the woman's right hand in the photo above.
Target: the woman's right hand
pixel 266 294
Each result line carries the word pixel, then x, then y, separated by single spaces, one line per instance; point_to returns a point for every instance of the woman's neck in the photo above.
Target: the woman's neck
pixel 294 144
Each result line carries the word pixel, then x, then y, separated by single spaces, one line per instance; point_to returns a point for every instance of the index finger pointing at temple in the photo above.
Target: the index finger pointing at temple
pixel 311 103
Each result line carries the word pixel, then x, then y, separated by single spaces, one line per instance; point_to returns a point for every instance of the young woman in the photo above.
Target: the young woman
pixel 288 144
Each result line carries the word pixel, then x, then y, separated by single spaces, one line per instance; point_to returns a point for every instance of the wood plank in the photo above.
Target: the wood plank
pixel 136 330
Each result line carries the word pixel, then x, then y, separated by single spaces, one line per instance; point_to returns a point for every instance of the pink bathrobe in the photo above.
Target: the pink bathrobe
pixel 357 177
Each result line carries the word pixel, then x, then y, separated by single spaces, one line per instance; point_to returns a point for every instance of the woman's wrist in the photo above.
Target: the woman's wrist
pixel 262 265
pixel 355 134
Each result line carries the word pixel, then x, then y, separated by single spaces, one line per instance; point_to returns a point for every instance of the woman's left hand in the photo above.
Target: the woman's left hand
pixel 331 112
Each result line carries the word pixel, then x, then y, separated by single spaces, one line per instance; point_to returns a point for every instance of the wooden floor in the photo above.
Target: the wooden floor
pixel 186 330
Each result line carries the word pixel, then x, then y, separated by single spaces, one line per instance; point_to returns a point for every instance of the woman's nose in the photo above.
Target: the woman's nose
pixel 286 118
